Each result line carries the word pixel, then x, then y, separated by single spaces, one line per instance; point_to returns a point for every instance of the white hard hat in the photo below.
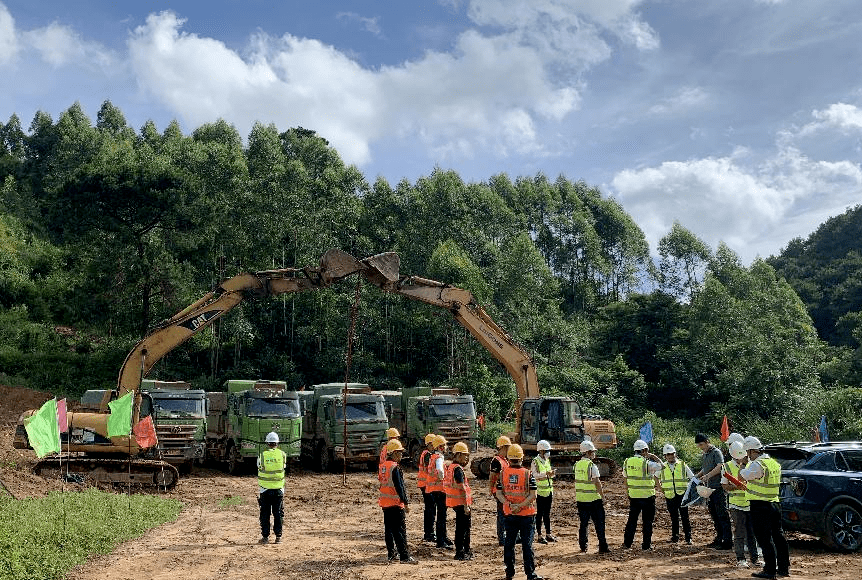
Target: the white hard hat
pixel 734 437
pixel 640 445
pixel 704 491
pixel 751 442
pixel 272 437
pixel 543 446
pixel 587 446
pixel 737 451
pixel 668 448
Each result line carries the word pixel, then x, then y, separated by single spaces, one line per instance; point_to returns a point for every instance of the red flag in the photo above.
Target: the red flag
pixel 145 433
pixel 725 430
pixel 740 483
pixel 62 422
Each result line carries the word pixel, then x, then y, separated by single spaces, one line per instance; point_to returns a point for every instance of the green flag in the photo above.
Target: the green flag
pixel 42 429
pixel 120 419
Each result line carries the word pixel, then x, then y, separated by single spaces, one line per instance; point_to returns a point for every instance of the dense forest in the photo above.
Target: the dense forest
pixel 105 231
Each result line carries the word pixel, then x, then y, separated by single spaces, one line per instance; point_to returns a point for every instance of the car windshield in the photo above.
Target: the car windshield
pixel 365 411
pixel 173 408
pixel 788 458
pixel 452 410
pixel 273 408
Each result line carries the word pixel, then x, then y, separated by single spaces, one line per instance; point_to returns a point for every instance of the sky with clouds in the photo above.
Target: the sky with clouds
pixel 740 119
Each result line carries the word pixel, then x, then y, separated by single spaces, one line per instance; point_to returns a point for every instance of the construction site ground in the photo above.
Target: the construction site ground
pixel 334 530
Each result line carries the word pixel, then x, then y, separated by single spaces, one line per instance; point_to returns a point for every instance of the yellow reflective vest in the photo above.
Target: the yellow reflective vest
pixel 765 488
pixel 673 481
pixel 737 496
pixel 270 474
pixel 544 484
pixel 638 479
pixel 585 488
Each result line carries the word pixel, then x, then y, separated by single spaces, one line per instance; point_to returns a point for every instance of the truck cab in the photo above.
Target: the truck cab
pixel 241 418
pixel 327 417
pixel 180 419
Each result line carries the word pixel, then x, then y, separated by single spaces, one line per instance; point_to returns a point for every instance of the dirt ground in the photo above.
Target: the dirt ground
pixel 335 531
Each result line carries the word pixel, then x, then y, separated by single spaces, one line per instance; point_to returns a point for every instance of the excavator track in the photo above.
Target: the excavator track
pixel 119 471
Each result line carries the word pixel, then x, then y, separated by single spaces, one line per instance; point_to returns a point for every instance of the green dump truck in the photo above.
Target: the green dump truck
pixel 323 445
pixel 417 411
pixel 179 416
pixel 240 418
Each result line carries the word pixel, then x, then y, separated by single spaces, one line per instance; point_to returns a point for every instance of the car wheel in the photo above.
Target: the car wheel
pixel 843 528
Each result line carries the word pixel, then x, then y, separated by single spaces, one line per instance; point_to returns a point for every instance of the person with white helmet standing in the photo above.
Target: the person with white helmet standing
pixel 589 496
pixel 763 477
pixel 544 475
pixel 270 479
pixel 740 515
pixel 675 475
pixel 640 471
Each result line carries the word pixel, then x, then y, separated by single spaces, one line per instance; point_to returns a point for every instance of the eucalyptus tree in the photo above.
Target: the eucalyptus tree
pixel 684 259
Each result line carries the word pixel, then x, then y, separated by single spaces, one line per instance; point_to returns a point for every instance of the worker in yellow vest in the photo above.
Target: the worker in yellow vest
pixel 640 472
pixel 422 482
pixel 740 509
pixel 589 495
pixel 459 497
pixel 393 499
pixel 675 475
pixel 544 475
pixel 498 463
pixel 763 477
pixel 516 490
pixel 391 433
pixel 270 480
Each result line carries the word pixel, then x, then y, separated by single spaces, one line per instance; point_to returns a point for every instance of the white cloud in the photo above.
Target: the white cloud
pixel 755 208
pixel 837 116
pixel 59 45
pixel 686 98
pixel 8 36
pixel 371 25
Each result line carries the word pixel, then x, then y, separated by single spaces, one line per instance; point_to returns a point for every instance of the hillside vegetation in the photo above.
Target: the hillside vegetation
pixel 106 230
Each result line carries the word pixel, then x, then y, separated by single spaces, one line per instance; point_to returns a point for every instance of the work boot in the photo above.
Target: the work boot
pixel 550 538
pixel 541 540
pixel 783 573
pixel 263 540
pixel 604 550
pixel 409 560
pixel 391 556
pixel 431 539
pixel 278 539
pixel 460 556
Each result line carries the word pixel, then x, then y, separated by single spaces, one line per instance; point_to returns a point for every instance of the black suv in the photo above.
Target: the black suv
pixel 821 490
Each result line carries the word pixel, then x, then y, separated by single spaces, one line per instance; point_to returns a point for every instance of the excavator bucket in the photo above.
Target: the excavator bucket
pixel 337 264
pixel 382 268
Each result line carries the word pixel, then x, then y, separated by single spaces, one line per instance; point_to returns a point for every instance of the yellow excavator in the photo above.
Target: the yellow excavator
pixel 91 453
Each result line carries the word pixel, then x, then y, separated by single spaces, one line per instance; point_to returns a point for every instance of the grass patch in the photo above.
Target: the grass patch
pixel 35 542
pixel 231 501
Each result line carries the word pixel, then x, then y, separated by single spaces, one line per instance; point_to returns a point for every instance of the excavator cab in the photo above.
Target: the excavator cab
pixel 555 419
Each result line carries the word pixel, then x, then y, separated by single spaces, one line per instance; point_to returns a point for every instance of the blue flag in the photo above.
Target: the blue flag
pixel 646 432
pixel 824 433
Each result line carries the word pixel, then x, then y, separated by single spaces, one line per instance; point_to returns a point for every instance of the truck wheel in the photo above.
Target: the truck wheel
pixel 234 461
pixel 843 528
pixel 323 459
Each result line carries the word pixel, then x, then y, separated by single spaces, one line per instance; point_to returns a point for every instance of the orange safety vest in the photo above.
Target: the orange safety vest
pixel 435 481
pixel 456 493
pixel 516 488
pixel 495 476
pixel 422 478
pixel 388 494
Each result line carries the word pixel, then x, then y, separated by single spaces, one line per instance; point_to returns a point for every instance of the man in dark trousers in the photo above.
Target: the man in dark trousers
pixel 763 475
pixel 270 480
pixel 589 495
pixel 710 475
pixel 498 462
pixel 675 476
pixel 459 497
pixel 516 490
pixel 393 500
pixel 430 514
pixel 436 473
pixel 640 471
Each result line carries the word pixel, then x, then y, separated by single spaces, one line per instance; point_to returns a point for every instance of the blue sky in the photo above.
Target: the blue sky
pixel 740 119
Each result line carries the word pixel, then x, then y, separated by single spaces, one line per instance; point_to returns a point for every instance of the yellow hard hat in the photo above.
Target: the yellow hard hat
pixel 515 452
pixel 460 447
pixel 392 433
pixel 430 438
pixel 502 440
pixel 440 441
pixel 394 445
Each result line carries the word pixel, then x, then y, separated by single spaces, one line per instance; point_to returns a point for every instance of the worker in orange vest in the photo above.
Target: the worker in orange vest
pixel 391 433
pixel 459 497
pixel 516 490
pixel 498 462
pixel 422 482
pixel 393 500
pixel 436 473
